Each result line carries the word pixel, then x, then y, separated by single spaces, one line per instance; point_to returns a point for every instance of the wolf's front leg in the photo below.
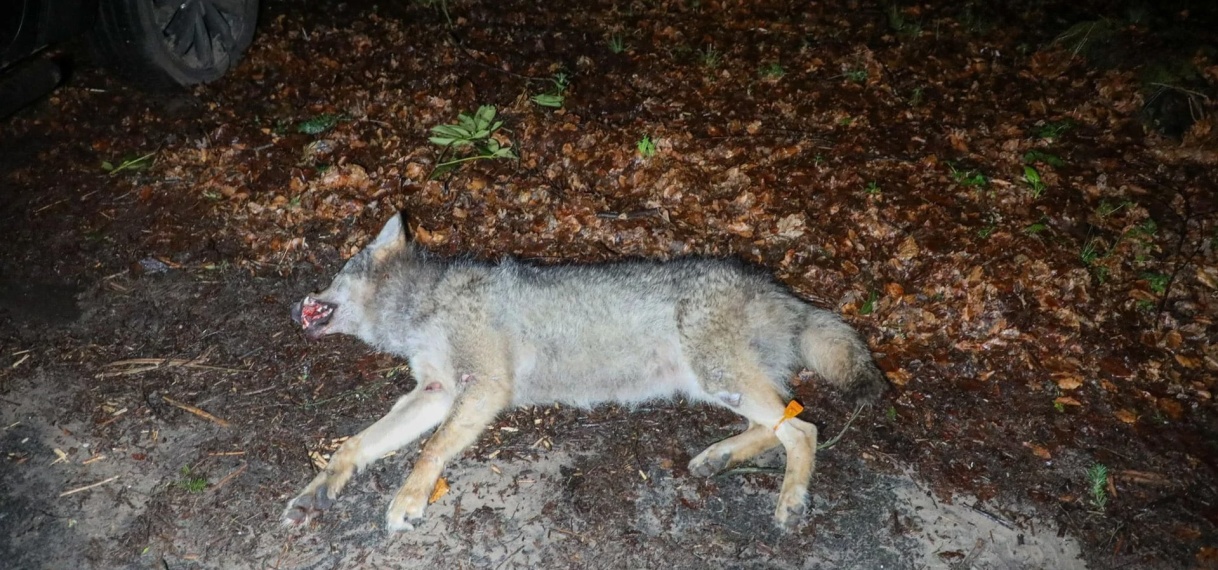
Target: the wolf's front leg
pixel 483 399
pixel 413 414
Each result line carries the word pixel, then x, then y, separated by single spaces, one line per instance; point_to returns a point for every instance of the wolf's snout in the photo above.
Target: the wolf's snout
pixel 313 316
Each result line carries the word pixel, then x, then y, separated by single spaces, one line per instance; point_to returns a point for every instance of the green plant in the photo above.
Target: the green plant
pixel 1097 478
pixel 916 97
pixel 1157 281
pixel 470 131
pixel 891 413
pixel 319 124
pixel 1032 177
pixel 548 99
pixel 857 75
pixel 903 27
pixel 1107 208
pixel 191 483
pixel 869 306
pixel 1146 229
pixel 617 44
pixel 1054 129
pixel 646 147
pixel 969 178
pixel 1036 228
pixel 554 97
pixel 135 163
pixel 872 188
pixel 1090 252
pixel 1034 156
pixel 1060 407
pixel 772 71
pixel 710 57
pixel 986 231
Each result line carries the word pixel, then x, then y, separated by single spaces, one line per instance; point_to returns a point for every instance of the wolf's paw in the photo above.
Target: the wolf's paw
pixel 791 509
pixel 405 512
pixel 710 462
pixel 312 501
pixel 395 523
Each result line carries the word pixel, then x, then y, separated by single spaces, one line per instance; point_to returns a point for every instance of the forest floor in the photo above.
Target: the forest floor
pixel 1016 206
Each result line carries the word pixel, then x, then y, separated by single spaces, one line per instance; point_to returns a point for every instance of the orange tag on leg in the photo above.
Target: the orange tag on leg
pixel 440 490
pixel 793 409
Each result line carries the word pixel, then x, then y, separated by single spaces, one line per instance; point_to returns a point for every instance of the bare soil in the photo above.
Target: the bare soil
pixel 159 408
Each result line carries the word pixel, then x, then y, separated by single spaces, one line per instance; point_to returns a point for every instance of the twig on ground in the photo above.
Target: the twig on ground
pixel 836 438
pixel 230 476
pixel 196 411
pixel 140 365
pixel 89 486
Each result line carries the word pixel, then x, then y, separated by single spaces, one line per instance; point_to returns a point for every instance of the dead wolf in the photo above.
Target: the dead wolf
pixel 481 338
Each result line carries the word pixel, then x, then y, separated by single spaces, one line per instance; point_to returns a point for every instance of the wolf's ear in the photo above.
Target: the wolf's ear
pixel 391 241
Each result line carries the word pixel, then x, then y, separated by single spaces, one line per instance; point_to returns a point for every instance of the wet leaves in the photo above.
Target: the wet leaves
pixel 1028 260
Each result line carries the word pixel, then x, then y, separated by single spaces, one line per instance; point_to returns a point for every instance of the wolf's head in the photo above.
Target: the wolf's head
pixel 363 291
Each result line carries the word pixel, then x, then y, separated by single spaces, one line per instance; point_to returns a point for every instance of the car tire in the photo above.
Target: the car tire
pixel 164 43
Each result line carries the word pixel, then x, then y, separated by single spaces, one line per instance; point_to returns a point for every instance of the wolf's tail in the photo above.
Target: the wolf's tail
pixel 832 349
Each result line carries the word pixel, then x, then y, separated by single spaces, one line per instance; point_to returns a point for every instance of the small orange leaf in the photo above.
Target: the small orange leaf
pixel 1126 416
pixel 440 490
pixel 1067 401
pixel 1067 381
pixel 1187 532
pixel 1038 451
pixel 1171 407
pixel 1188 361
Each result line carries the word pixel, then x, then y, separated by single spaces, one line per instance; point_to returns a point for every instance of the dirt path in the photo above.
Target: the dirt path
pixel 1049 331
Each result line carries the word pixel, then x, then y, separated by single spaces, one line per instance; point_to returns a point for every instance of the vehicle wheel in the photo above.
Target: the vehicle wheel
pixel 161 43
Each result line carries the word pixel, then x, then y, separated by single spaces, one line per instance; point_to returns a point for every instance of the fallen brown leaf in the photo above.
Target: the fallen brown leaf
pixel 440 490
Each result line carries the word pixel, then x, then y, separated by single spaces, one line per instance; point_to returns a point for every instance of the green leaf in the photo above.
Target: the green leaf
pixel 548 100
pixel 449 141
pixel 1040 156
pixel 452 131
pixel 318 124
pixel 486 114
pixel 869 306
pixel 443 169
pixel 1031 175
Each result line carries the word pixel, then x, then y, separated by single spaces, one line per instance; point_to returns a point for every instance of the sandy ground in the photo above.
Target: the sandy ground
pixel 562 501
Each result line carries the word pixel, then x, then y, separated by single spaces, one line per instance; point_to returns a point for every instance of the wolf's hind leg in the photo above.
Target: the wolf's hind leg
pixel 474 410
pixel 761 403
pixel 413 414
pixel 734 450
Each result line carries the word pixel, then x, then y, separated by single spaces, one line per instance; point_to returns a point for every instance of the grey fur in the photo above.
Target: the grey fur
pixel 517 334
